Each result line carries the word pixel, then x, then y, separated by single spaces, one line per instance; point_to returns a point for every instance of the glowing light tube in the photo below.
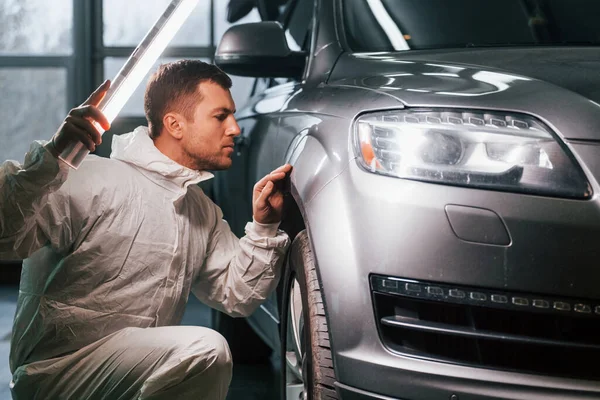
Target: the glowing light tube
pixel 131 74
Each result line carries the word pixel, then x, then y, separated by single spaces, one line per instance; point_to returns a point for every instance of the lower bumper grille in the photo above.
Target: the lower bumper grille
pixel 558 337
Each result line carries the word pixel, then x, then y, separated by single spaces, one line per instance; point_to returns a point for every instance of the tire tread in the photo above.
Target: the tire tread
pixel 324 374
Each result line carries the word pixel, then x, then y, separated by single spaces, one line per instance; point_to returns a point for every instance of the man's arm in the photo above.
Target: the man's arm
pixel 239 274
pixel 32 210
pixel 24 192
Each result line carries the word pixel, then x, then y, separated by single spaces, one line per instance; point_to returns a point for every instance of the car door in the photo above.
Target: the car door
pixel 296 18
pixel 258 150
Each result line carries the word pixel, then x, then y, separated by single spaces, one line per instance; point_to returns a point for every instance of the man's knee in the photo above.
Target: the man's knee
pixel 222 363
pixel 199 362
pixel 204 347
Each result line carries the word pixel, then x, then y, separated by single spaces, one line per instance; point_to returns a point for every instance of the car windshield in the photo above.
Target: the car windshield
pixel 389 25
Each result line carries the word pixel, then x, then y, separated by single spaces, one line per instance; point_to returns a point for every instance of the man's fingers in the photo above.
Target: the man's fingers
pixel 261 202
pixel 268 205
pixel 284 168
pixel 81 135
pixel 91 112
pixel 98 94
pixel 98 116
pixel 268 178
pixel 87 126
pixel 276 175
pixel 83 123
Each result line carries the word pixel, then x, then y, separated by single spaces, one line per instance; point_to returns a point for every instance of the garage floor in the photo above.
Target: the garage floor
pixel 251 382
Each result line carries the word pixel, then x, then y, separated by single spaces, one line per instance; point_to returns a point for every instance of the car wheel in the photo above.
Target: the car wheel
pixel 307 365
pixel 245 345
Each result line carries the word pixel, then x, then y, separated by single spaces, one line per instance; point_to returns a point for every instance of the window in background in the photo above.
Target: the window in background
pixel 135 106
pixel 32 106
pixel 36 27
pixel 142 14
pixel 36 49
pixel 192 41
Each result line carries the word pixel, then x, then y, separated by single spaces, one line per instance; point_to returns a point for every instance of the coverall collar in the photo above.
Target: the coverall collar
pixel 138 149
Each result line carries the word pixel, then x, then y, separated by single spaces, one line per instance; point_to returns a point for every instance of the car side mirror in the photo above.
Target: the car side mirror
pixel 259 49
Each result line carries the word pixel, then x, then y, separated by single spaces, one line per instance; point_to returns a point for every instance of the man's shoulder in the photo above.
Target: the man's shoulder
pixel 98 184
pixel 196 192
pixel 204 204
pixel 103 171
pixel 94 163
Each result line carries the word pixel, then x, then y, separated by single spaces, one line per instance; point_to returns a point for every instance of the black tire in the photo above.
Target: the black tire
pixel 245 345
pixel 317 363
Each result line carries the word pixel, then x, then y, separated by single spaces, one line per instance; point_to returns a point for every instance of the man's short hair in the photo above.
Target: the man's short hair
pixel 173 87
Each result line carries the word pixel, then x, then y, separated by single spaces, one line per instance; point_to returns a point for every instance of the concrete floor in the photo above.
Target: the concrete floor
pixel 250 382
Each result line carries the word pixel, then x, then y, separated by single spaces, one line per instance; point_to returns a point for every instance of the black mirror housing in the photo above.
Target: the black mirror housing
pixel 259 49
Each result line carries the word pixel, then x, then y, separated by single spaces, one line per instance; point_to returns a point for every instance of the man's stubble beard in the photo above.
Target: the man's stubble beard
pixel 208 164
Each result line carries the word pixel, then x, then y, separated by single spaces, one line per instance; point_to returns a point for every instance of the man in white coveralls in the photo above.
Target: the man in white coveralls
pixel 114 248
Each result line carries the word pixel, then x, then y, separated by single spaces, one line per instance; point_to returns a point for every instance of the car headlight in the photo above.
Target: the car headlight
pixel 488 150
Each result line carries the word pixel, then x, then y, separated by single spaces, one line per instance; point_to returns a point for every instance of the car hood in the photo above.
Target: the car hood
pixel 561 86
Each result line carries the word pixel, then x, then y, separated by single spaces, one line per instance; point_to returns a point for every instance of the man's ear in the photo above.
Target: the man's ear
pixel 173 124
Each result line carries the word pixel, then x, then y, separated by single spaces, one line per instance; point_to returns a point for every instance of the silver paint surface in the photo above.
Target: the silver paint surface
pixel 361 223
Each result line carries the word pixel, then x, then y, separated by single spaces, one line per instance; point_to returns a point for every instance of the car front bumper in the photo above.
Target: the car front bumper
pixel 362 224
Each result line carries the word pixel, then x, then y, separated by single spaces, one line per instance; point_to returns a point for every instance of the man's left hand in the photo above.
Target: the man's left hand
pixel 267 197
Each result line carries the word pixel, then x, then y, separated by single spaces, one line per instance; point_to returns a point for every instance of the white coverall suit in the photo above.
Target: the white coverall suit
pixel 112 252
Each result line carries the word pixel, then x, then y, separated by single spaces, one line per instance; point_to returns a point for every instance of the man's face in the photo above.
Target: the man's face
pixel 208 137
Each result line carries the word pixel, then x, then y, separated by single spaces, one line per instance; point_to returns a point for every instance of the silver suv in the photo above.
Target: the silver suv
pixel 443 200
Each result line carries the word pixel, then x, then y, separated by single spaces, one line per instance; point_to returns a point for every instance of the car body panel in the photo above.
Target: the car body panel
pixel 347 239
pixel 361 223
pixel 439 83
pixel 589 155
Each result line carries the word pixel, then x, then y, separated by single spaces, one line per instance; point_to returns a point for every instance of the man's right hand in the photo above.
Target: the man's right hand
pixel 78 126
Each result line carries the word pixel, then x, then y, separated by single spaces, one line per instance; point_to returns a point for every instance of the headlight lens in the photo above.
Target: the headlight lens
pixel 488 150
